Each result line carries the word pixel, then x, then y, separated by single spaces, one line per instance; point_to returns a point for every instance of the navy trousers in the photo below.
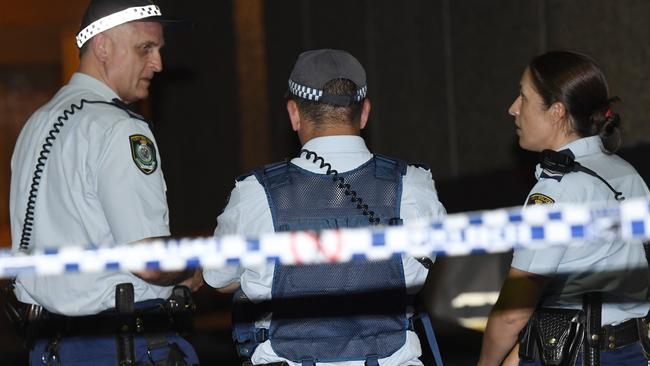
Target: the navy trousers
pixel 631 355
pixel 101 351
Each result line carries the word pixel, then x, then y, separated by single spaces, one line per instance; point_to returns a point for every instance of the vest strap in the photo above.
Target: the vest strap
pixel 372 360
pixel 385 165
pixel 273 175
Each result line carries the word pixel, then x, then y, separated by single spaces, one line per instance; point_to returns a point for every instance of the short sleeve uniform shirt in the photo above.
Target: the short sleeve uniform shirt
pixel 610 265
pixel 101 184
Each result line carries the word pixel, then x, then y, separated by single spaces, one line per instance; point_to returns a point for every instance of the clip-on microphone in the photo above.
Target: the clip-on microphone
pixel 562 163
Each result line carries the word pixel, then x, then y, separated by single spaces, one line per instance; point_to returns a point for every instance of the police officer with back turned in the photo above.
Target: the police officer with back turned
pixel 343 314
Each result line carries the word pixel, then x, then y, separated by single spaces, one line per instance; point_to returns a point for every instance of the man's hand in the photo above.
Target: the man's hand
pixel 159 278
pixel 229 289
pixel 195 282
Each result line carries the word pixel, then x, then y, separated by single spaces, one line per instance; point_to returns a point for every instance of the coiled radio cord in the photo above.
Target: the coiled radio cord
pixel 28 224
pixel 340 181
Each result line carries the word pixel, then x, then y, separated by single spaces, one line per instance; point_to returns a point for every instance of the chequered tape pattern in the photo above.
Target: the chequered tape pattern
pixel 308 93
pixel 455 235
pixel 115 19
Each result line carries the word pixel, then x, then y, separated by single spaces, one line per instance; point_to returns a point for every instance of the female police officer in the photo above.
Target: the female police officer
pixel 564 111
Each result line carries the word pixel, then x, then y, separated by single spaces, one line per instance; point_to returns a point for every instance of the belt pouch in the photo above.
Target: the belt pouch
pixel 553 336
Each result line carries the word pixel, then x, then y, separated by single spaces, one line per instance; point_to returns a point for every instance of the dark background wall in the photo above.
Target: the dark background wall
pixel 441 76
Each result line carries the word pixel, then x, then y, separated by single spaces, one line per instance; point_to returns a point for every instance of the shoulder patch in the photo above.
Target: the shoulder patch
pixel 143 152
pixel 539 199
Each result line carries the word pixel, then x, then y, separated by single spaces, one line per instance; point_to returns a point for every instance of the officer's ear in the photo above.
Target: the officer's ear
pixel 100 45
pixel 294 114
pixel 365 112
pixel 558 112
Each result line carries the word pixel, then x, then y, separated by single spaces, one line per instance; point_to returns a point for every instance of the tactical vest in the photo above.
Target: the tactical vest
pixel 336 312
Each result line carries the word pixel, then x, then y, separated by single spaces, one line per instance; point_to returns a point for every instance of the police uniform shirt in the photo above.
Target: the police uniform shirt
pixel 102 184
pixel 610 265
pixel 248 213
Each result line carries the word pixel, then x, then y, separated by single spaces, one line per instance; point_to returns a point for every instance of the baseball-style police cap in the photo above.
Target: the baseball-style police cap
pixel 102 15
pixel 314 69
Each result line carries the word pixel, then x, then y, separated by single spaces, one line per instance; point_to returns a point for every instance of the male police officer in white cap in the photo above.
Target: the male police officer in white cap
pixel 86 171
pixel 345 314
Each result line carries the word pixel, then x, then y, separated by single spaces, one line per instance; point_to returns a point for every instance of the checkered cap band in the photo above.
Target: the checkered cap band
pixel 115 19
pixel 308 93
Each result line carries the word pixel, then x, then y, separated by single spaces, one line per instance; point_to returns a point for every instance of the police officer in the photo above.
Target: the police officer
pixel 345 314
pixel 86 170
pixel 564 110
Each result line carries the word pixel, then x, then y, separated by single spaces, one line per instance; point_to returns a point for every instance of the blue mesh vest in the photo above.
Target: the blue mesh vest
pixel 336 312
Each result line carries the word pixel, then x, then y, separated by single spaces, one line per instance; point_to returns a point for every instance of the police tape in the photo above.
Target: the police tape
pixel 460 234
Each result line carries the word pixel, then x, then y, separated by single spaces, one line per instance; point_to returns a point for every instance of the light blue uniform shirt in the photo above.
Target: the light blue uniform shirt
pixel 248 213
pixel 615 267
pixel 91 192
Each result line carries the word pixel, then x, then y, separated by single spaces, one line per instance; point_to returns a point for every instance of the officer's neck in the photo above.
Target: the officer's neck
pixel 311 131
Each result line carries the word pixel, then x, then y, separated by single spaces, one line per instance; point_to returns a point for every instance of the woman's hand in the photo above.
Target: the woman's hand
pixel 513 357
pixel 517 302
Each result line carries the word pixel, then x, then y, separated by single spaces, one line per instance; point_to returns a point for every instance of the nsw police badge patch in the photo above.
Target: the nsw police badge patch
pixel 143 152
pixel 539 199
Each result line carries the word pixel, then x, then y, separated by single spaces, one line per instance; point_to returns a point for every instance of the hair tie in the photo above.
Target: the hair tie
pixel 609 113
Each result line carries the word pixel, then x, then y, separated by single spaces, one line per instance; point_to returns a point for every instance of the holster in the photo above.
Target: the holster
pixel 592 305
pixel 644 335
pixel 553 336
pixel 25 319
pixel 124 322
pixel 125 339
pixel 179 308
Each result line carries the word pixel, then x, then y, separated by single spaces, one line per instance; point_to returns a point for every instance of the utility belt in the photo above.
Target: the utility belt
pixel 150 316
pixel 555 336
pixel 147 320
pixel 151 319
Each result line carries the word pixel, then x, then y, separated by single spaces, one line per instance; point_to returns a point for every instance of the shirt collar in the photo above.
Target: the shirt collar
pixel 584 146
pixel 343 152
pixel 338 144
pixel 88 82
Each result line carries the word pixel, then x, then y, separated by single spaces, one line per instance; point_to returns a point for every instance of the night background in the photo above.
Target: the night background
pixel 441 76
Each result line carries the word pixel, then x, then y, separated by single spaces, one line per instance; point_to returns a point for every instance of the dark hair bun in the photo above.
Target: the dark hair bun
pixel 606 124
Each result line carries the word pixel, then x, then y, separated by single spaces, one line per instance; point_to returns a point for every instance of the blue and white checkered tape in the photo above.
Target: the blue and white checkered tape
pixel 492 231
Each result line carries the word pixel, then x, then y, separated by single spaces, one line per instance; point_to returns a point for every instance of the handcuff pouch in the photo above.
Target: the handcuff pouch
pixel 553 336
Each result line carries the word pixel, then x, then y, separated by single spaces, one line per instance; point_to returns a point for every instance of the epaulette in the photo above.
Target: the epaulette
pixel 550 174
pixel 555 165
pixel 243 176
pixel 418 164
pixel 125 107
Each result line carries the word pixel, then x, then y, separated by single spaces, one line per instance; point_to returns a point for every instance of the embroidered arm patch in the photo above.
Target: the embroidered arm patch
pixel 539 199
pixel 143 152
